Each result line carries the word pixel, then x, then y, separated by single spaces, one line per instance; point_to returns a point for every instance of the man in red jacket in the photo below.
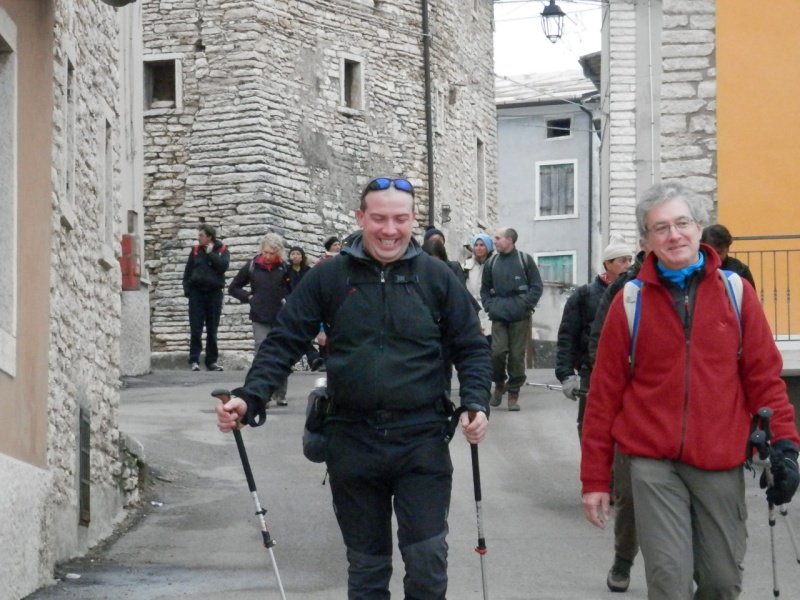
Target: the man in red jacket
pixel 682 412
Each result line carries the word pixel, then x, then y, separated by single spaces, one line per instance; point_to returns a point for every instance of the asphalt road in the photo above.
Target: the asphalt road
pixel 201 540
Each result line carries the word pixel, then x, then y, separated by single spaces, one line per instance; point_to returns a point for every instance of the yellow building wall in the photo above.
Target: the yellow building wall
pixel 758 130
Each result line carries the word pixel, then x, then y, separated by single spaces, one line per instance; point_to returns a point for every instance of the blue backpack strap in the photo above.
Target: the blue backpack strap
pixel 735 289
pixel 631 295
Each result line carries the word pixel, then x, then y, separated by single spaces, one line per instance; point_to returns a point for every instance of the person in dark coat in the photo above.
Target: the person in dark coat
pixel 572 356
pixel 203 282
pixel 393 313
pixel 264 283
pixel 431 234
pixel 720 239
pixel 298 267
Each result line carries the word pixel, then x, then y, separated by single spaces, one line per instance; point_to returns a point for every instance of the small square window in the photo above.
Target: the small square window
pixel 557 128
pixel 160 90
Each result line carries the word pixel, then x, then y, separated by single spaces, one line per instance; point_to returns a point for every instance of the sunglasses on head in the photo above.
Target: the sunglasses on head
pixel 384 183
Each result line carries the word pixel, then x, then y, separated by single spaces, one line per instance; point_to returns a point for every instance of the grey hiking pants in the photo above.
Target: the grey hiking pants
pixel 691 526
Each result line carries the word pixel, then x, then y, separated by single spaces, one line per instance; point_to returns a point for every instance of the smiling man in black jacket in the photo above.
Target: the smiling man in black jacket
pixel 394 316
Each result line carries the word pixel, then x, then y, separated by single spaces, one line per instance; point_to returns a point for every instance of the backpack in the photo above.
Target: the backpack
pixel 633 308
pixel 524 261
pixel 346 271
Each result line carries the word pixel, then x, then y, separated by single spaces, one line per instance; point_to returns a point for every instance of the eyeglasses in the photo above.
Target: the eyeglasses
pixel 384 183
pixel 662 230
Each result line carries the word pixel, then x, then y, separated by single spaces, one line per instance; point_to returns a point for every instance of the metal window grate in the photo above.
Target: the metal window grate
pixel 84 467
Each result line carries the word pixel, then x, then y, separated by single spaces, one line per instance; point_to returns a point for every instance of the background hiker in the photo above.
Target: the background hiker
pixel 510 289
pixel 203 282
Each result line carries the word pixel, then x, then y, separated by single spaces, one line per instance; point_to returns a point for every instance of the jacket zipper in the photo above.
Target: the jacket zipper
pixel 687 333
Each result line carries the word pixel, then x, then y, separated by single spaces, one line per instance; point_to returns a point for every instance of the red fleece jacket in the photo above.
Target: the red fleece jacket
pixel 689 401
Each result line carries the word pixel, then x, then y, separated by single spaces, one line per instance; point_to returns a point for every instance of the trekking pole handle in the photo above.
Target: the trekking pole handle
pixel 224 396
pixel 765 416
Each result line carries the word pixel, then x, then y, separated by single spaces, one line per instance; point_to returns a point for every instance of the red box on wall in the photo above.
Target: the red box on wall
pixel 129 263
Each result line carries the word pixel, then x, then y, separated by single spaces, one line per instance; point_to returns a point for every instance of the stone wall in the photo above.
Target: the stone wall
pixel 260 139
pixel 85 278
pixel 689 94
pixel 659 55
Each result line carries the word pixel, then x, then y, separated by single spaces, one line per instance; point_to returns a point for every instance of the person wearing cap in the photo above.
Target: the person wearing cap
pixel 332 246
pixel 482 248
pixel 573 360
pixel 572 357
pixel 432 233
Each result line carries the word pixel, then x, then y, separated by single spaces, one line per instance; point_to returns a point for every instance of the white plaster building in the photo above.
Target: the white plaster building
pixel 60 175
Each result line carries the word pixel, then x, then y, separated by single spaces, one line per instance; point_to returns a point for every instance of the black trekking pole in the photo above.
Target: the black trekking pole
pixel 761 440
pixel 476 483
pixel 764 415
pixel 224 396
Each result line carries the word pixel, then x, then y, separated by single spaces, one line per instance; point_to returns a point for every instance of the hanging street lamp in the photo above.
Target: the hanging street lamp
pixel 553 21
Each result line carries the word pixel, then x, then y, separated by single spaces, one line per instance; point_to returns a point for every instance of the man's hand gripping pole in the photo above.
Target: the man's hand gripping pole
pixel 224 396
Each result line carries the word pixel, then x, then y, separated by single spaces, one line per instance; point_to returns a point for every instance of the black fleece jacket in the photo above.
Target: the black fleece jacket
pixel 205 271
pixel 387 352
pixel 269 288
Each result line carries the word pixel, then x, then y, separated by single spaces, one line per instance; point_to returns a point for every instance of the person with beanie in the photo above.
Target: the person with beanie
pixel 482 248
pixel 332 246
pixel 432 234
pixel 573 356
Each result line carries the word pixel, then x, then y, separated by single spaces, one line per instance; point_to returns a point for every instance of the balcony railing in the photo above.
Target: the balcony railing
pixel 775 264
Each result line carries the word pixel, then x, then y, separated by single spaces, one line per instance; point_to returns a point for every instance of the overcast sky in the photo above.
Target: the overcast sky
pixel 520 46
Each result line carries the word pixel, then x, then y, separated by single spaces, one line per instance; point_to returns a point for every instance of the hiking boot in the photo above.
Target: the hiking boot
pixel 497 395
pixel 513 397
pixel 619 577
pixel 194 366
pixel 281 401
pixel 214 367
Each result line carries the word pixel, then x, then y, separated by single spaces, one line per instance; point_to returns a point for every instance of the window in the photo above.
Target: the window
pixel 163 82
pixel 555 189
pixel 556 267
pixel 480 178
pixel 559 128
pixel 8 194
pixel 352 83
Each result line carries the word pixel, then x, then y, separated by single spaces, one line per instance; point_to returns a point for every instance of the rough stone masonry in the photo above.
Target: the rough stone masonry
pixel 282 110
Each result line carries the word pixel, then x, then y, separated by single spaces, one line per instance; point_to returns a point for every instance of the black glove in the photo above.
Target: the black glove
pixel 785 475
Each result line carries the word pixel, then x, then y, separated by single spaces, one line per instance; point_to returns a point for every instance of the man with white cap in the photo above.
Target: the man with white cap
pixel 572 356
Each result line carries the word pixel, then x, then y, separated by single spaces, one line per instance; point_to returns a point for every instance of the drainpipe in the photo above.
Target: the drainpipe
pixel 426 49
pixel 591 184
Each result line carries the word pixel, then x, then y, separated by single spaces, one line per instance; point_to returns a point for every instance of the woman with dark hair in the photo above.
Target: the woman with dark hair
pixel 298 265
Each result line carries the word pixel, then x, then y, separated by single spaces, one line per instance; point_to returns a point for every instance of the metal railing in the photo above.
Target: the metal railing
pixel 774 262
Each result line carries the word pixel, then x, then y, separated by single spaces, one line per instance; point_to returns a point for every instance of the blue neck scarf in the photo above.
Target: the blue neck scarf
pixel 681 275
